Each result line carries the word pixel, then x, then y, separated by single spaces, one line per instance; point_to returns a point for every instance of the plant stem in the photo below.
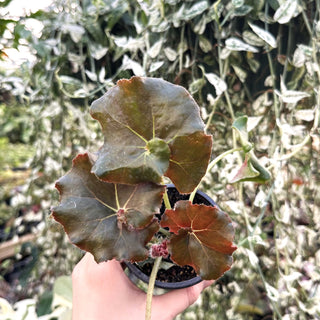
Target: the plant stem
pixel 151 287
pixel 166 200
pixel 156 264
pixel 165 232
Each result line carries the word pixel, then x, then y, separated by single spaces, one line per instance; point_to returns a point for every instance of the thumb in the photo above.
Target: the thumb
pixel 175 301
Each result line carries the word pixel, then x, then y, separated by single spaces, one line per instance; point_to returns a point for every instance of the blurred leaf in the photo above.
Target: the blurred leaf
pixel 155 66
pixel 128 63
pixel 258 4
pixel 291 96
pixel 102 75
pixel 254 260
pixel 242 11
pixel 240 125
pixel 4 24
pixel 264 35
pixel 44 303
pixel 4 3
pixel 247 172
pixel 196 85
pixel 252 39
pixel 299 58
pixel 91 75
pixel 205 44
pixel 154 51
pixel 286 11
pixel 253 122
pixel 254 65
pixel 62 292
pixel 198 8
pixel 98 51
pixel 272 292
pixel 307 50
pixel 170 54
pixel 69 80
pixel 245 308
pixel 241 74
pixel 217 82
pixel 202 238
pixel 235 44
pixel 251 170
pixel 238 3
pixel 304 114
pixel 76 31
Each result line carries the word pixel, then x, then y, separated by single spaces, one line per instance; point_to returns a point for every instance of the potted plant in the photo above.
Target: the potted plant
pixel 110 201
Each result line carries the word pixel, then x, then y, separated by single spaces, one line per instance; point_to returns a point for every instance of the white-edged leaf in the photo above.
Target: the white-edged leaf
pixel 154 51
pixel 155 66
pixel 91 75
pixel 252 38
pixel 286 11
pixel 242 11
pixel 241 74
pixel 235 206
pixel 76 32
pixel 264 35
pixel 102 74
pixel 128 63
pixel 237 3
pixel 6 309
pixel 260 199
pixel 205 44
pixel 235 44
pixel 254 260
pixel 217 82
pixel 304 114
pixel 131 44
pixel 225 53
pixel 299 58
pixel 272 292
pixel 292 96
pixel 307 50
pixel 81 93
pixel 198 8
pixel 70 80
pixel 253 64
pixel 268 82
pixel 97 51
pixel 170 54
pixel 253 122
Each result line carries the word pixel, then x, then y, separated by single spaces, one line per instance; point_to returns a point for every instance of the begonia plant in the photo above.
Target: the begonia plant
pixel 110 200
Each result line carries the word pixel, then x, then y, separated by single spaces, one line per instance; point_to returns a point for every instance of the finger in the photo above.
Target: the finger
pixel 178 300
pixel 104 274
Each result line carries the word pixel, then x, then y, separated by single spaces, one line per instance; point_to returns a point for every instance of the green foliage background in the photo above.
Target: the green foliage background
pixel 258 58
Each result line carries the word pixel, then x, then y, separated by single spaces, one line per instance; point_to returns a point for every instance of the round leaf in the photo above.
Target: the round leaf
pixel 142 119
pixel 202 238
pixel 104 218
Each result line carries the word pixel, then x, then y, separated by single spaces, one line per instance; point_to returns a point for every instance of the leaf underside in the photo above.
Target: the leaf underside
pixel 109 220
pixel 203 238
pixel 146 123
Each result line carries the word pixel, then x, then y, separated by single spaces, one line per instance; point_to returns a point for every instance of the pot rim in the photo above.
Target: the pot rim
pixel 160 284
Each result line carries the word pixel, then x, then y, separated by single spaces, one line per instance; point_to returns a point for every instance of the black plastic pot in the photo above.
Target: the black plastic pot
pixel 174 196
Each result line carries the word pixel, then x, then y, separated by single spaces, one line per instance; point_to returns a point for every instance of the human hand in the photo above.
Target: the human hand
pixel 103 291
